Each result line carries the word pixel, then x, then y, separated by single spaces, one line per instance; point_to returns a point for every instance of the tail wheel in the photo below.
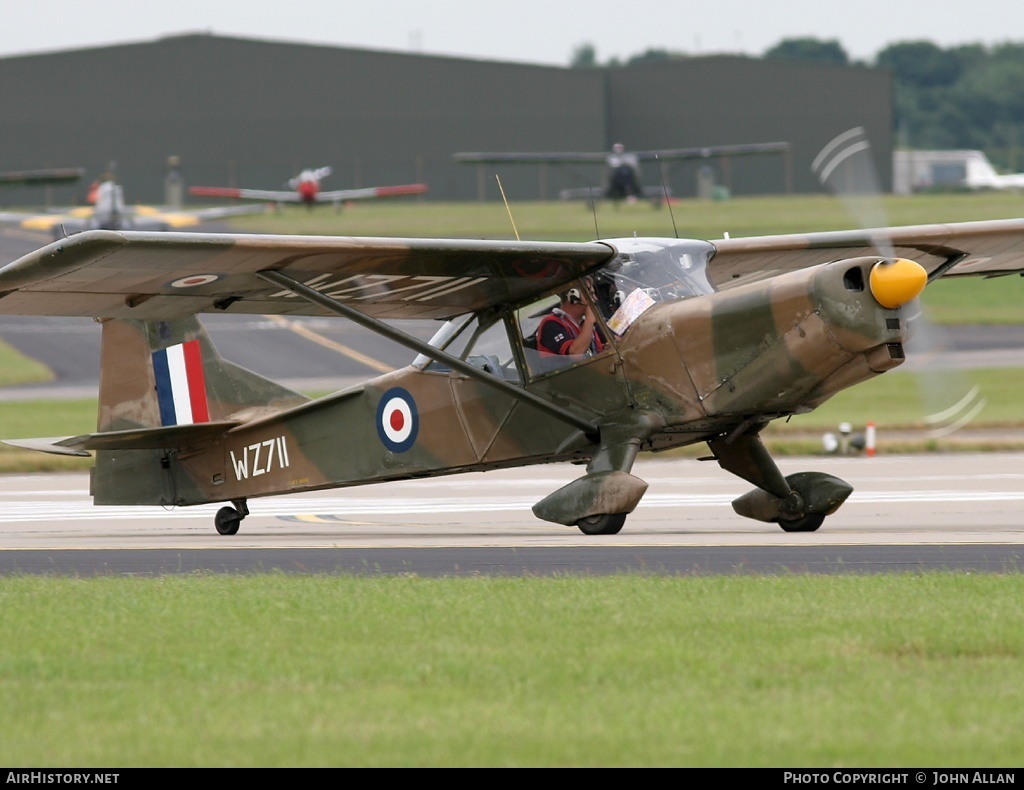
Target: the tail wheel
pixel 227 520
pixel 808 523
pixel 603 524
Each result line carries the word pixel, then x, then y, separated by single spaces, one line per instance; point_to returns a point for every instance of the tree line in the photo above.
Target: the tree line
pixel 966 96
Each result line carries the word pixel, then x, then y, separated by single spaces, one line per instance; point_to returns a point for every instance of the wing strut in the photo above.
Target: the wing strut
pixel 427 350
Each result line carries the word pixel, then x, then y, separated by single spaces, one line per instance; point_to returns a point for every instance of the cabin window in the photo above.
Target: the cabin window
pixel 529 320
pixel 480 340
pixel 646 272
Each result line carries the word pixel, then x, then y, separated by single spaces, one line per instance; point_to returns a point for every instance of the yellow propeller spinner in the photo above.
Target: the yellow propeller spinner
pixel 895 282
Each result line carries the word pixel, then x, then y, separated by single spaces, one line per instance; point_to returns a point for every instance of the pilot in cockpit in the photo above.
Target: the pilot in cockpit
pixel 570 329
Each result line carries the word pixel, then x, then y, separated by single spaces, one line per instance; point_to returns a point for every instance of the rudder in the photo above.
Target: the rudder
pixel 162 374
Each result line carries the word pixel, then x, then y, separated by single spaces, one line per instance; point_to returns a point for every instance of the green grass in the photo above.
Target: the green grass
pixel 903 399
pixel 975 301
pixel 16 368
pixel 570 671
pixel 570 221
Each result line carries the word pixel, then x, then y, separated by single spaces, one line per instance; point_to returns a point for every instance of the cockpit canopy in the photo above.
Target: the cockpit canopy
pixel 644 272
pixel 647 271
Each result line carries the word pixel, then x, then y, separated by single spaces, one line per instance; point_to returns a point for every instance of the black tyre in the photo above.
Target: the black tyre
pixel 604 524
pixel 808 523
pixel 227 521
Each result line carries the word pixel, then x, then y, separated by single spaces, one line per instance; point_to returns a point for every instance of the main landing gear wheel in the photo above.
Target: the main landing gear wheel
pixel 808 523
pixel 228 518
pixel 603 524
pixel 227 521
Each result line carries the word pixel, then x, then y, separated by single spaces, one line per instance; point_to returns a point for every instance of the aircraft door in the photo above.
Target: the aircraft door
pixel 484 343
pixel 591 381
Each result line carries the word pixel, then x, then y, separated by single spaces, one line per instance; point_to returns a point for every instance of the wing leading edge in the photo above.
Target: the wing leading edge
pixel 704 152
pixel 162 276
pixel 989 248
pixel 167 275
pixel 293 196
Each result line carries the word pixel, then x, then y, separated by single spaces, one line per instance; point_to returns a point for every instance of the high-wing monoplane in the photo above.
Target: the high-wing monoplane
pixel 305 189
pixel 621 178
pixel 107 210
pixel 704 342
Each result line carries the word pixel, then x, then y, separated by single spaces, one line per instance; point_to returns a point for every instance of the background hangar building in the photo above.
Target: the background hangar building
pixel 253 113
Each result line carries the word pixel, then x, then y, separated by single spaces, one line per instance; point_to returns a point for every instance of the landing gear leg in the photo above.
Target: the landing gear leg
pixel 797 503
pixel 598 502
pixel 228 519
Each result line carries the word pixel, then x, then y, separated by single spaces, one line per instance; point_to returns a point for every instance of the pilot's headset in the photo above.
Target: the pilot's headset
pixel 573 296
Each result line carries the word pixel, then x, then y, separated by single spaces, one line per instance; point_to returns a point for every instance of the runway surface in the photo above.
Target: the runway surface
pixel 906 513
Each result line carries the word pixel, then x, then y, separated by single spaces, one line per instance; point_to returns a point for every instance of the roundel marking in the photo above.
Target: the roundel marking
pixel 398 422
pixel 537 269
pixel 195 279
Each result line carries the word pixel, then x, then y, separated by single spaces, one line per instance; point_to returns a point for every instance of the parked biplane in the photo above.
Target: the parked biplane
pixel 705 342
pixel 621 178
pixel 305 189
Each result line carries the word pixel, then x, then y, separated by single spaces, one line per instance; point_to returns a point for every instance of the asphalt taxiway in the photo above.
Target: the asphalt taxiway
pixel 951 511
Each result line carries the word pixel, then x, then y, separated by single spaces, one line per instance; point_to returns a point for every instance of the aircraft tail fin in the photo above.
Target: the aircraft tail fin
pixel 164 374
pixel 164 392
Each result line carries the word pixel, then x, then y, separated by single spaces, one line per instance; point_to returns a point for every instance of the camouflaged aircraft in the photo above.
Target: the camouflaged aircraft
pixel 705 342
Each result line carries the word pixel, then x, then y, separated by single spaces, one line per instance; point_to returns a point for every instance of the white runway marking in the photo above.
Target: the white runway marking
pixel 42 507
pixel 939 499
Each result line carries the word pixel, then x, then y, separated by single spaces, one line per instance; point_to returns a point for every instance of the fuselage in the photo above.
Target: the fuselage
pixel 682 364
pixel 307 184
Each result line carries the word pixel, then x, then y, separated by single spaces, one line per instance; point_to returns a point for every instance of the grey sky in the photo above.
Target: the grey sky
pixel 531 31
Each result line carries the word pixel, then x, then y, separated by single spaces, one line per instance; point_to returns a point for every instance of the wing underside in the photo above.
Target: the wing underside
pixel 272 195
pixel 292 196
pixel 703 152
pixel 162 276
pixel 370 193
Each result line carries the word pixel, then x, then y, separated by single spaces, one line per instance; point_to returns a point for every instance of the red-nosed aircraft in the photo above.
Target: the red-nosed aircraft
pixel 305 189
